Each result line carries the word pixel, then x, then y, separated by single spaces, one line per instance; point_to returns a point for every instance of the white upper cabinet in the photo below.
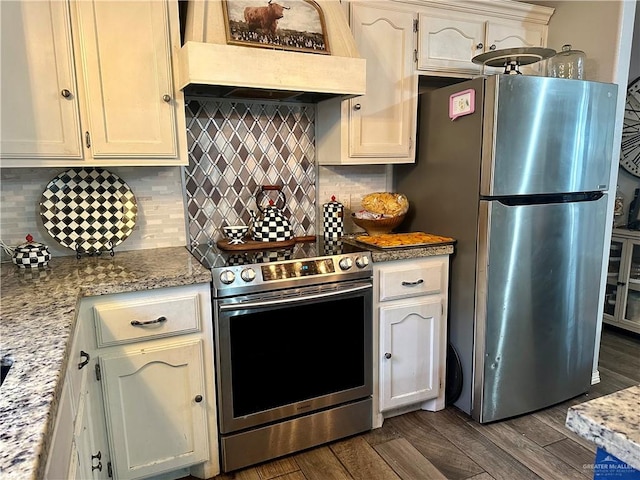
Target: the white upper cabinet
pixel 381 122
pixel 378 127
pixel 108 100
pixel 39 110
pixel 450 34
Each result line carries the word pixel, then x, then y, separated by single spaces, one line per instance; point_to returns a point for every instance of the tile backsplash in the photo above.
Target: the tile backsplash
pixel 235 147
pixel 160 221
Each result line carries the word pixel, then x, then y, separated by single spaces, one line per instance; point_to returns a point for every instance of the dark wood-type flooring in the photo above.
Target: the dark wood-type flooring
pixel 449 445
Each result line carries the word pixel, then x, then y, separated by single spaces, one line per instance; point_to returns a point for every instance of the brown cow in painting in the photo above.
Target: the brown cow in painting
pixel 264 18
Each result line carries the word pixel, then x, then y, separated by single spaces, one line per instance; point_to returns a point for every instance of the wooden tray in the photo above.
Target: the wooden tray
pixel 404 240
pixel 224 244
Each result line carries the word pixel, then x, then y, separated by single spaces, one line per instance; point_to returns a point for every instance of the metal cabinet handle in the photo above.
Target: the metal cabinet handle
pixel 198 398
pixel 412 284
pixel 87 139
pixel 492 47
pixel 357 106
pixel 136 323
pixel 480 46
pixel 65 93
pixel 96 457
pixel 621 283
pixel 387 355
pixel 166 98
pixel 86 357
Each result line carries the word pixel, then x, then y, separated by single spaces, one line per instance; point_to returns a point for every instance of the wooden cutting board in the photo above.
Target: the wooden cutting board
pixel 400 240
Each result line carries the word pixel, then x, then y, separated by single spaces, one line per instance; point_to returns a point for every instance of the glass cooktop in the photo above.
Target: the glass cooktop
pixel 213 257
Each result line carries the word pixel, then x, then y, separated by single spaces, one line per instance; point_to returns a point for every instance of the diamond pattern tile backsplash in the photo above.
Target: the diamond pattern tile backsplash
pixel 234 148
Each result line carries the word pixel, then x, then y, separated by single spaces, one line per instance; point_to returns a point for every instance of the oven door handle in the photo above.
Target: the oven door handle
pixel 290 300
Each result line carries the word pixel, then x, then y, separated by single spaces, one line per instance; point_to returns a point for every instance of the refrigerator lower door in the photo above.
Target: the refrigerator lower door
pixel 538 272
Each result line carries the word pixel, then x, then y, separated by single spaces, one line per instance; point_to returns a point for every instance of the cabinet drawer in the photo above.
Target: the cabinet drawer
pixel 412 278
pixel 145 317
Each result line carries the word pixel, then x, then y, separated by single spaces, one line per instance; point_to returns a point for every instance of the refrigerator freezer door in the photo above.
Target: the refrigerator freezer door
pixel 546 135
pixel 539 272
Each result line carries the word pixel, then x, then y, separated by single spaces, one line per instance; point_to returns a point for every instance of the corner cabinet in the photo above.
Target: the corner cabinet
pixel 379 127
pixel 148 403
pixel 450 34
pixel 622 295
pixel 410 314
pixel 90 82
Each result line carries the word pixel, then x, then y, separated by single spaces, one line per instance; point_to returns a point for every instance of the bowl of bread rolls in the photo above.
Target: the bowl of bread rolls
pixel 381 212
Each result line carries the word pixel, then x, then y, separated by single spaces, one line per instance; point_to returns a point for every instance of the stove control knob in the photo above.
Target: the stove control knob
pixel 345 263
pixel 362 262
pixel 248 274
pixel 227 277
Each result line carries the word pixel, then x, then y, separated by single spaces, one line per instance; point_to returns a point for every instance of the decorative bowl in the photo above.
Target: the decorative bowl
pixel 31 254
pixel 235 233
pixel 378 226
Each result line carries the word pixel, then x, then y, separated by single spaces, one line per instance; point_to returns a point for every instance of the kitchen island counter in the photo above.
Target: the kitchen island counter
pixel 612 422
pixel 37 320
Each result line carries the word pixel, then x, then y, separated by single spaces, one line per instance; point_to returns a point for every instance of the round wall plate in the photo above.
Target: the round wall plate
pixel 88 210
pixel 519 56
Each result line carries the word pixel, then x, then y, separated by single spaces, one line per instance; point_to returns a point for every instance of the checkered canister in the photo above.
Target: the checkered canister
pixel 333 222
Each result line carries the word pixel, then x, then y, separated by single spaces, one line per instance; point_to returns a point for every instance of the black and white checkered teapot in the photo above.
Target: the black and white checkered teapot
pixel 272 225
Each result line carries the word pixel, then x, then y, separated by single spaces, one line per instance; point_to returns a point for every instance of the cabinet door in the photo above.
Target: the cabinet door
pixel 615 279
pixel 629 314
pixel 155 411
pixel 409 351
pixel 40 116
pixel 515 34
pixel 126 64
pixel 447 44
pixel 90 441
pixel 382 122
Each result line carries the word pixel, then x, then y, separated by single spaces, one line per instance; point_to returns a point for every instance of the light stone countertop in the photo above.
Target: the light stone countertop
pixel 37 319
pixel 611 422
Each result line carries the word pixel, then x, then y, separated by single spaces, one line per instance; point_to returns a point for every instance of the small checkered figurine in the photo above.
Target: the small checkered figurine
pixel 31 254
pixel 333 222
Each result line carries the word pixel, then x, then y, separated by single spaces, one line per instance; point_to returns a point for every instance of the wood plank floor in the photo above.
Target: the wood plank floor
pixel 449 445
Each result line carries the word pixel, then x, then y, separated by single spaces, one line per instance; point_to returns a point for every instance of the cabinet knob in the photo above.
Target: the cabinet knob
pixel 492 47
pixel 480 46
pixel 65 93
pixel 387 355
pixel 166 98
pixel 357 106
pixel 198 398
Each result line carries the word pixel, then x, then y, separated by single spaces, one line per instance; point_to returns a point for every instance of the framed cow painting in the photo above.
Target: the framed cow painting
pixel 296 25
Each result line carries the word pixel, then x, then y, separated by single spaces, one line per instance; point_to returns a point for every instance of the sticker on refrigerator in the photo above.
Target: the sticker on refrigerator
pixel 462 103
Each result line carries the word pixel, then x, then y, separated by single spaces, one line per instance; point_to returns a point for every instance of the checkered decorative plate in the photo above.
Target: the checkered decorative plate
pixel 88 210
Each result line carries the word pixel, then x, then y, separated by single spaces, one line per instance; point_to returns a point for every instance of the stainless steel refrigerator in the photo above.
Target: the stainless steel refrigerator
pixel 515 168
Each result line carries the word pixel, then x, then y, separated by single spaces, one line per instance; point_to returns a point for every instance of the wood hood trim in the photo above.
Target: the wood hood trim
pixel 208 63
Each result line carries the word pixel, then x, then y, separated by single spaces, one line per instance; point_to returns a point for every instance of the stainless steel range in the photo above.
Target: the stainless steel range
pixel 293 340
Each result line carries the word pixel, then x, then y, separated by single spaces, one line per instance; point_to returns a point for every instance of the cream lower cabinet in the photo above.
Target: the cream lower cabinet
pixel 450 34
pixel 90 82
pixel 622 295
pixel 145 404
pixel 410 309
pixel 379 127
pixel 79 445
pixel 155 410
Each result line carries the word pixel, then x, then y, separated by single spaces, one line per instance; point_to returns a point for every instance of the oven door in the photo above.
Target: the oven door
pixel 291 352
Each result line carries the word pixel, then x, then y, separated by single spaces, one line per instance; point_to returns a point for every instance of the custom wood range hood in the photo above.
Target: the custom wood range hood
pixel 209 66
